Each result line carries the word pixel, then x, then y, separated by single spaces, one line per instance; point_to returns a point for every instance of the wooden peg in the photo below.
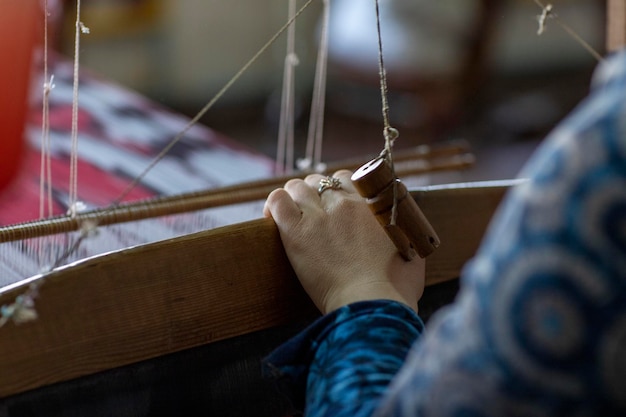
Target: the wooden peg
pixel 412 233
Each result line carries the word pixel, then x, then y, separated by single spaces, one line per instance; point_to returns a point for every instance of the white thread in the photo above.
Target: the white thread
pixel 22 309
pixel 284 151
pixel 48 150
pixel 45 168
pixel 45 178
pixel 210 104
pixel 316 123
pixel 73 187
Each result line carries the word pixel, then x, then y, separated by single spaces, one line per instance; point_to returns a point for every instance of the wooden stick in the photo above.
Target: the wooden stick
pixel 152 300
pixel 398 214
pixel 437 159
pixel 616 25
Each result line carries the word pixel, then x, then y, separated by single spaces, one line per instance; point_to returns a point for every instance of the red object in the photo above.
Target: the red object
pixel 20 27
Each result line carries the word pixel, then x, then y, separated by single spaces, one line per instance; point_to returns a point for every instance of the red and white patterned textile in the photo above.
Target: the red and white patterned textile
pixel 120 133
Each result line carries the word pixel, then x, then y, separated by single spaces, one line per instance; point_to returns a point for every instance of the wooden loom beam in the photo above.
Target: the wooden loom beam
pixel 418 160
pixel 160 298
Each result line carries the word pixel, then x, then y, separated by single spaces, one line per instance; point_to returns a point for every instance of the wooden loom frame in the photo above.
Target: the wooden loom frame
pixel 148 301
pixel 217 284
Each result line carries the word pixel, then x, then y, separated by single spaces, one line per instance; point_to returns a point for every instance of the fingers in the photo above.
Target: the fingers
pixel 302 194
pixel 281 207
pixel 286 205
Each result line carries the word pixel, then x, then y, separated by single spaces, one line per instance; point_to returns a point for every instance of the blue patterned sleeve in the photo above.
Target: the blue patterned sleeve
pixel 342 364
pixel 539 326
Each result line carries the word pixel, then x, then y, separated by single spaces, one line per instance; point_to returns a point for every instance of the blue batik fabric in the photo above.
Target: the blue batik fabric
pixel 342 364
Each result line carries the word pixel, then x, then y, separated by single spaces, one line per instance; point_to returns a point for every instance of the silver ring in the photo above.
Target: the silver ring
pixel 329 183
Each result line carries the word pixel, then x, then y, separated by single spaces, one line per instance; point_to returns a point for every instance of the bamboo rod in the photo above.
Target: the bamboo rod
pixel 429 159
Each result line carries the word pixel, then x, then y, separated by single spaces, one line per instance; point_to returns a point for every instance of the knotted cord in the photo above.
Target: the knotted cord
pixel 390 134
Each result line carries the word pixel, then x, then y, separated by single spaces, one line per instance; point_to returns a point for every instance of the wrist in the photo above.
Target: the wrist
pixel 369 292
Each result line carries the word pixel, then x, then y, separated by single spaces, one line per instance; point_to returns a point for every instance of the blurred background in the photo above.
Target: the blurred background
pixel 458 69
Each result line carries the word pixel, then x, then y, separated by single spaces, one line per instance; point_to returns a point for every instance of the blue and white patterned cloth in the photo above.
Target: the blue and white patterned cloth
pixel 539 325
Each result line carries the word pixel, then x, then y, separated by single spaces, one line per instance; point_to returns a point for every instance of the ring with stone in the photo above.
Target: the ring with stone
pixel 329 183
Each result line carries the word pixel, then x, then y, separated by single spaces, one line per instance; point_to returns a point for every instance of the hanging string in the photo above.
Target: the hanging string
pixel 73 186
pixel 45 176
pixel 284 151
pixel 45 191
pixel 22 309
pixel 210 104
pixel 390 134
pixel 547 12
pixel 313 159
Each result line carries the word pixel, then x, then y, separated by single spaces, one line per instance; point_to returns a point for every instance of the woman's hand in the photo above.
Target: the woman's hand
pixel 337 248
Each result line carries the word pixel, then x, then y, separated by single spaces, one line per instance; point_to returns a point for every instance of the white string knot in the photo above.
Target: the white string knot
pixel 391 134
pixel 83 29
pixel 22 310
pixel 292 59
pixel 89 228
pixel 307 165
pixel 321 167
pixel 546 13
pixel 76 208
pixel 304 164
pixel 48 86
